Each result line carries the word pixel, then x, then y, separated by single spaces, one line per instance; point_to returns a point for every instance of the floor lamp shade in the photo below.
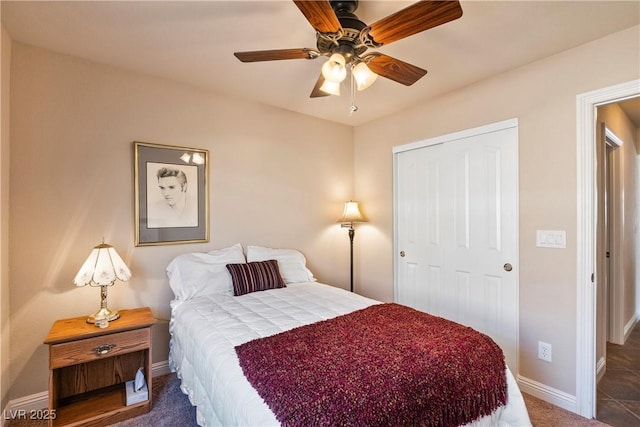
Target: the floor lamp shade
pixel 351 215
pixel 102 268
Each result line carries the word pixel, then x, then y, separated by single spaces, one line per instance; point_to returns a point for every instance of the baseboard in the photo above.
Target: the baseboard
pixel 24 406
pixel 160 368
pixel 548 394
pixel 630 325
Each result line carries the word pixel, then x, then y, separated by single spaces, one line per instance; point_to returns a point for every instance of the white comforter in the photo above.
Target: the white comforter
pixel 205 330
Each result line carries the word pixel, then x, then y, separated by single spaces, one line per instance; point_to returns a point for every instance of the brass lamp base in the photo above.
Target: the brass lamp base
pixel 103 313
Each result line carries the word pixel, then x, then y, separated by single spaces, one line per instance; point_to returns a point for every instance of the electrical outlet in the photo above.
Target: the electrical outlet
pixel 544 351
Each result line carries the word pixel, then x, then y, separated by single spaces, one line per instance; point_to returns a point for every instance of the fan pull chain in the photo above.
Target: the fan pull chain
pixel 353 108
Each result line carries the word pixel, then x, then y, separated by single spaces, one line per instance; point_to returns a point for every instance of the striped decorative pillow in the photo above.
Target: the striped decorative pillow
pixel 255 276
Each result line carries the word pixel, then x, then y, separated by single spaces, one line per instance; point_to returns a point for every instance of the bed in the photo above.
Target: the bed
pixel 214 334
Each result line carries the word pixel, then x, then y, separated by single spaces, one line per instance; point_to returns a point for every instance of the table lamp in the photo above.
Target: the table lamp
pixel 102 268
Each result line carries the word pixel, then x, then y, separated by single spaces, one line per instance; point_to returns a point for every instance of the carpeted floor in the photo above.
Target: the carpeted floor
pixel 543 414
pixel 171 408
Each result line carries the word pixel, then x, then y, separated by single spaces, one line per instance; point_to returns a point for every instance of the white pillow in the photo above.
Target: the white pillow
pixel 291 263
pixel 203 273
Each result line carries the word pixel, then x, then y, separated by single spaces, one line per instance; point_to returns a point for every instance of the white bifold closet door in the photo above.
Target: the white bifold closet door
pixel 456 230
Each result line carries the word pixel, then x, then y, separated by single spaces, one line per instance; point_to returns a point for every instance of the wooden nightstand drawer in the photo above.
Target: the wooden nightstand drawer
pixel 90 349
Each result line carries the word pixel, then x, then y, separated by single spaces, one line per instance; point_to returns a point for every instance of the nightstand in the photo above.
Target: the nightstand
pixel 88 368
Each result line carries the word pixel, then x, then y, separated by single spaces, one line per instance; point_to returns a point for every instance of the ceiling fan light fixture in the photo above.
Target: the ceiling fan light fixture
pixel 332 88
pixel 334 69
pixel 363 75
pixel 344 38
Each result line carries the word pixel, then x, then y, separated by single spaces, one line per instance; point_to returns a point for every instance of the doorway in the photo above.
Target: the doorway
pixel 612 205
pixel 586 239
pixel 608 247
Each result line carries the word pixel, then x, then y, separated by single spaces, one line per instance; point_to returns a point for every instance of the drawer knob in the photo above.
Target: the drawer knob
pixel 103 349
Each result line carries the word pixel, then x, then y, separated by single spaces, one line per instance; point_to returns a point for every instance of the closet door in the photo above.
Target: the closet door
pixel 456 230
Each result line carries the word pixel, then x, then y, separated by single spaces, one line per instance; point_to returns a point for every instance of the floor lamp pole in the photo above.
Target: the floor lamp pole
pixel 352 233
pixel 350 216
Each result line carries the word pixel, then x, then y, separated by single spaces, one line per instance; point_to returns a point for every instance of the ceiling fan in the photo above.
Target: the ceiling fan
pixel 345 39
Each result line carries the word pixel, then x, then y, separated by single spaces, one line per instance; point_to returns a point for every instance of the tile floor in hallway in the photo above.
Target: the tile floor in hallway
pixel 619 389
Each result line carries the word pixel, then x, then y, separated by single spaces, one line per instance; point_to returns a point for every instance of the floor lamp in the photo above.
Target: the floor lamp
pixel 350 216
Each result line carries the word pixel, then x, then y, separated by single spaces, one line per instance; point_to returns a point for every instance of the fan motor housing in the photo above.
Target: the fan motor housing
pixel 348 44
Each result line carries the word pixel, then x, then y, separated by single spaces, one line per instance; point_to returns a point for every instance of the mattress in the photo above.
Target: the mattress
pixel 205 330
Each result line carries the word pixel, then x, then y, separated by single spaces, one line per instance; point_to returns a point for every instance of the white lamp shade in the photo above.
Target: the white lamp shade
pixel 332 88
pixel 363 75
pixel 102 267
pixel 351 213
pixel 334 70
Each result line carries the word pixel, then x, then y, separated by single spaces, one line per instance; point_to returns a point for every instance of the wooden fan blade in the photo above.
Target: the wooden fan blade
pixel 413 19
pixel 320 15
pixel 395 69
pixel 316 92
pixel 275 55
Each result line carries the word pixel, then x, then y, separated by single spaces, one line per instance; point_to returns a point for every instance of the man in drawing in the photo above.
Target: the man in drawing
pixel 177 207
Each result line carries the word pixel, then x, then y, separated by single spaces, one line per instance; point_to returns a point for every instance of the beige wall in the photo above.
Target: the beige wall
pixel 276 178
pixel 5 58
pixel 542 95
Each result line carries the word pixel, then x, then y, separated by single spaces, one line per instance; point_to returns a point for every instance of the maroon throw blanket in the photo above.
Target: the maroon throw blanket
pixel 384 365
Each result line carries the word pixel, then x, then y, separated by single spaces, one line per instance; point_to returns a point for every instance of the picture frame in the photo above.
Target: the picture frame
pixel 171 187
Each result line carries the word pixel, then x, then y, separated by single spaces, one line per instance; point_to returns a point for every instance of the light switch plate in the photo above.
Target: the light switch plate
pixel 551 239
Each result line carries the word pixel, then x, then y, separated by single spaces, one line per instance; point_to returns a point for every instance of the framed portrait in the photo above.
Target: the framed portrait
pixel 171 194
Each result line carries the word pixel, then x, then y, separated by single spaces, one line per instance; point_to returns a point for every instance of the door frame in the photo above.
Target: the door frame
pixel 615 325
pixel 586 105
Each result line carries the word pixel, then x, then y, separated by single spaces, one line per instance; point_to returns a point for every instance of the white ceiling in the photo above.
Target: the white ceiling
pixel 193 42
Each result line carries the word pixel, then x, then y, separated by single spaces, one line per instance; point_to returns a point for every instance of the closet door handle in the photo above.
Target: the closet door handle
pixel 402 254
